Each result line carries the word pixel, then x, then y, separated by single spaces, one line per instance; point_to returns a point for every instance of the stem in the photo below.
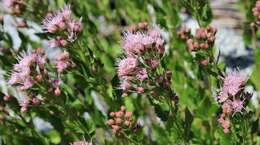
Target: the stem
pixel 129 139
pixel 253 37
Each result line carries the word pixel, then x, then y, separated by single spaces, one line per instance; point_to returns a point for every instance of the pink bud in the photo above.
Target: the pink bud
pixel 128 115
pixel 38 78
pixel 119 114
pixel 118 121
pixel 168 74
pixel 61 25
pixel 112 114
pixel 7 98
pixel 140 90
pixel 110 122
pixel 122 108
pixel 22 23
pixel 226 130
pixel 127 123
pixel 24 109
pixel 57 91
pixel 36 101
pixel 63 42
pixel 115 127
pixel 52 29
pixel 204 62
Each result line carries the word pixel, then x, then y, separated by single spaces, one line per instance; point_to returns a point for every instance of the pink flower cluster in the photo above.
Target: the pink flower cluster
pixel 16 6
pixel 63 62
pixel 31 70
pixel 256 12
pixel 81 143
pixel 143 48
pixel 63 25
pixel 25 73
pixel 203 40
pixel 121 121
pixel 232 97
pixel 29 100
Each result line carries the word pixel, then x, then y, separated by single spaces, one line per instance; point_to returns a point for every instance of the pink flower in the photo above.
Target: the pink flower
pixel 225 123
pixel 227 107
pixel 66 12
pixel 62 62
pixel 53 43
pixel 125 85
pixel 148 41
pixel 52 22
pixel 26 67
pixel 201 33
pixel 153 63
pixel 27 83
pixel 127 66
pixel 140 90
pixel 232 85
pixel 74 27
pixel 62 21
pixel 81 143
pixel 24 102
pixel 57 20
pixel 142 74
pixel 8 3
pixel 155 32
pixel 132 44
pixel 237 105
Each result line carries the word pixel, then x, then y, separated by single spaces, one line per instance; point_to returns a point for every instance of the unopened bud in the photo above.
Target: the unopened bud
pixel 140 90
pixel 128 115
pixel 38 78
pixel 110 122
pixel 57 91
pixel 7 98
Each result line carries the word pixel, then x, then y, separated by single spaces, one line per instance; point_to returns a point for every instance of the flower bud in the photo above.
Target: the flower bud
pixel 57 91
pixel 118 121
pixel 63 42
pixel 36 101
pixel 122 108
pixel 61 25
pixel 110 122
pixel 119 114
pixel 140 90
pixel 24 109
pixel 128 115
pixel 168 74
pixel 7 98
pixel 127 123
pixel 112 114
pixel 38 78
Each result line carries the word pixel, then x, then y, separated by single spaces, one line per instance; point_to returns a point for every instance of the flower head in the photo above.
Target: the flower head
pixel 132 44
pixel 127 66
pixel 142 74
pixel 233 83
pixel 25 68
pixel 62 62
pixel 61 21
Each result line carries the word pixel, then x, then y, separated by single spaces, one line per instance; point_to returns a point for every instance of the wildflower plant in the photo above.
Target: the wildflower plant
pixel 140 69
pixel 117 72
